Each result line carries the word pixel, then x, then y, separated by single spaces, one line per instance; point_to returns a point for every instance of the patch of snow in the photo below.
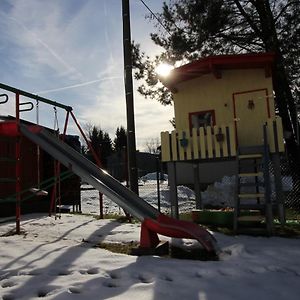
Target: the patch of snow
pixel 57 259
pixel 153 176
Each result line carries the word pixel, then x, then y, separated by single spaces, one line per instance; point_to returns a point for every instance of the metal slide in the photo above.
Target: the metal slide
pixel 153 221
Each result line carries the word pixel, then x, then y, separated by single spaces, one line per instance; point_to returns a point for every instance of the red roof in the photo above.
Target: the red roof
pixel 215 65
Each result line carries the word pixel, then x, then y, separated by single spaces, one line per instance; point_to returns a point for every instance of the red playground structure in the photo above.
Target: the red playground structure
pixel 153 222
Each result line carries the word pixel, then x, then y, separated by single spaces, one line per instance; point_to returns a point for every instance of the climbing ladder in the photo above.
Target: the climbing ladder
pixel 7 164
pixel 253 202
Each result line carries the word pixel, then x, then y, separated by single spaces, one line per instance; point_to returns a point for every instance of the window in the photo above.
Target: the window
pixel 202 119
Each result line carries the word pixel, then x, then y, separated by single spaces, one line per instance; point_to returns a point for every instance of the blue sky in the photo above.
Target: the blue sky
pixel 71 51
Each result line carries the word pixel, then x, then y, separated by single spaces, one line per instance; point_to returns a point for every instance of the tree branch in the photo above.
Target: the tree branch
pixel 284 9
pixel 246 16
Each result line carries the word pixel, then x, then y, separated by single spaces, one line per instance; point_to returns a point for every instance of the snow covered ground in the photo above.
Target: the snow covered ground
pixel 147 191
pixel 57 259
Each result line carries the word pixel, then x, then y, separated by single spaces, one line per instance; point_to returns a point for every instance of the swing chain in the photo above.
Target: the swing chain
pixel 37 113
pixel 56 125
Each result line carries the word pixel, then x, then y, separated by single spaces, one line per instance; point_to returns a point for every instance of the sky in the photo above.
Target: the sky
pixel 71 51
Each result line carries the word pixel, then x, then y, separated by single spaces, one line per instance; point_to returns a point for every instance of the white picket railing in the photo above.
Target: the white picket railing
pixel 215 142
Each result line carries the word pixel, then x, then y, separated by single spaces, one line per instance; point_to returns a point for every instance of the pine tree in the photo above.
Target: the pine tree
pixel 101 143
pixel 120 141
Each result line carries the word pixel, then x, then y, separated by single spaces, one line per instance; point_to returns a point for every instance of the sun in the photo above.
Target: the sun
pixel 164 69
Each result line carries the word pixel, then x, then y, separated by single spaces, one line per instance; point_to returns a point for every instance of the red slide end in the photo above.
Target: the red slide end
pixel 167 226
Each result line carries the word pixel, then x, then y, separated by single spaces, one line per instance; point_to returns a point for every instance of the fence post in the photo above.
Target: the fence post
pixel 197 188
pixel 157 181
pixel 277 177
pixel 173 189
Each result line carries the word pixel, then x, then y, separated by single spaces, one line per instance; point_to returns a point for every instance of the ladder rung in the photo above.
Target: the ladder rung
pixel 244 165
pixel 6 159
pixel 8 200
pixel 243 206
pixel 251 195
pixel 254 174
pixel 259 149
pixel 249 156
pixel 251 184
pixel 7 180
pixel 257 218
pixel 4 138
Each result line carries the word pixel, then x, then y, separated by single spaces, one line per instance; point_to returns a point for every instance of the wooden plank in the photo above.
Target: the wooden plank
pixel 217 144
pixel 249 156
pixel 224 144
pixel 180 148
pixel 174 145
pixel 270 132
pixel 189 146
pixel 165 146
pixel 195 143
pixel 202 143
pixel 252 195
pixel 280 134
pixel 232 140
pixel 209 140
pixel 254 174
pixel 254 218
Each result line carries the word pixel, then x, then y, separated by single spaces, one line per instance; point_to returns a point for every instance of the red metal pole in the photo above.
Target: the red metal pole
pixel 66 125
pixel 53 194
pixel 18 166
pixel 98 161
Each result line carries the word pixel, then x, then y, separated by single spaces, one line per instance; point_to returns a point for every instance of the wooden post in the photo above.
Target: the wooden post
pixel 277 177
pixel 173 189
pixel 266 159
pixel 158 182
pixel 131 144
pixel 199 204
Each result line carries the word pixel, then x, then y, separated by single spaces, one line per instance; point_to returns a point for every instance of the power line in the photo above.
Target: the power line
pixel 154 15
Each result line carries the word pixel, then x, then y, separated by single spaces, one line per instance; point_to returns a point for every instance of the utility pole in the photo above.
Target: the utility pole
pixel 131 145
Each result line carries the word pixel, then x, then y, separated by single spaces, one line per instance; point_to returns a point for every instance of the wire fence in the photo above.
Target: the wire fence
pixel 291 188
pixel 154 188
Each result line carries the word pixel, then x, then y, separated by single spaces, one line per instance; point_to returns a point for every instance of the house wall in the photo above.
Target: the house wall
pixel 185 172
pixel 208 93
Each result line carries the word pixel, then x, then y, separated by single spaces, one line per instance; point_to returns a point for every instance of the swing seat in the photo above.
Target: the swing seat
pixel 39 192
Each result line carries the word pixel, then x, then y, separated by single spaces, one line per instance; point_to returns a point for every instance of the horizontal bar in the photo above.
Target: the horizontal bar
pixel 7 180
pixel 7 159
pixel 36 97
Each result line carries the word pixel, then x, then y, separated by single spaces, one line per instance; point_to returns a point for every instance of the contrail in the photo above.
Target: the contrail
pixel 78 85
pixel 46 46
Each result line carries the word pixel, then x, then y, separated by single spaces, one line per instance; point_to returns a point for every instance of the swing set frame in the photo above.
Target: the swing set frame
pixel 13 129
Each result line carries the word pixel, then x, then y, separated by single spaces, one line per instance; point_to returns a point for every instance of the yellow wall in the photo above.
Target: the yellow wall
pixel 208 93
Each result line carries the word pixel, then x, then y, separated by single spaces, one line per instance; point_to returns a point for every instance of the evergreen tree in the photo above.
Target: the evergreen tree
pixel 197 28
pixel 101 144
pixel 120 141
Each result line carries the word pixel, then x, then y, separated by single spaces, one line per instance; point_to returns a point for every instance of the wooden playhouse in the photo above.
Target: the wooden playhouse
pixel 226 125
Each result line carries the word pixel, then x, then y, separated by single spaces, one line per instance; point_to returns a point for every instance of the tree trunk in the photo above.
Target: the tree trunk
pixel 284 99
